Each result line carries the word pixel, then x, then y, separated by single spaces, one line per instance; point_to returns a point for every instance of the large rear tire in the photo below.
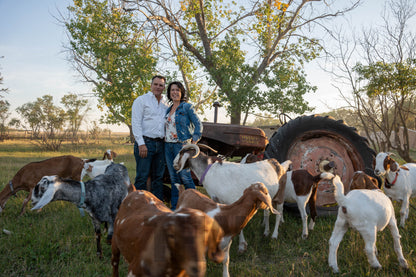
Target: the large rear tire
pixel 309 140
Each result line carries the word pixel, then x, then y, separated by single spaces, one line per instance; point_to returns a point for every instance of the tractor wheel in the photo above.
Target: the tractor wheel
pixel 309 140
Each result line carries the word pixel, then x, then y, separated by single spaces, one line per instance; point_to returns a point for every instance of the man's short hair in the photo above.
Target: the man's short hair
pixel 159 77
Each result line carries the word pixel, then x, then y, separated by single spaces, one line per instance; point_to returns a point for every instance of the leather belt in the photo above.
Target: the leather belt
pixel 154 139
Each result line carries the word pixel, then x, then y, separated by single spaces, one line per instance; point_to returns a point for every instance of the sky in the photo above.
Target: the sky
pixel 34 64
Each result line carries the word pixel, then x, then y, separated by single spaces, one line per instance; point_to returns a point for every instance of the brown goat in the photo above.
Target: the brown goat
pixel 158 242
pixel 29 175
pixel 360 180
pixel 232 218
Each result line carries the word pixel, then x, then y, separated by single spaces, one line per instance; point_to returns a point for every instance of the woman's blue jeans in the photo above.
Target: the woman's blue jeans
pixel 153 165
pixel 184 177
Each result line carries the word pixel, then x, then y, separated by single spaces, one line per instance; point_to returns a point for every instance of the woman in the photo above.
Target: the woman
pixel 182 126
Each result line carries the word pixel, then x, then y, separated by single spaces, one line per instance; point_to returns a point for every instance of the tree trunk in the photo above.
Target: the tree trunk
pixel 235 114
pixel 131 133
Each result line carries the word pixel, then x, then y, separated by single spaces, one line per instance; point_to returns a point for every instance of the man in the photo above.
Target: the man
pixel 148 124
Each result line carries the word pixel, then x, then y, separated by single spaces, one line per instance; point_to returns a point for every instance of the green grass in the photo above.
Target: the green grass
pixel 57 241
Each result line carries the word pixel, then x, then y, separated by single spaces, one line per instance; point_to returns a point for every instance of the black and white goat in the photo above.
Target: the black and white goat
pixel 226 181
pixel 367 211
pixel 399 182
pixel 100 197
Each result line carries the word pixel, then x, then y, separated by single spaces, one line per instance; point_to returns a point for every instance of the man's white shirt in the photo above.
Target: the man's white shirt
pixel 148 117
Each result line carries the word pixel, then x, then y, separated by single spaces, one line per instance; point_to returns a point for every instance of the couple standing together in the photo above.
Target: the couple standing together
pixel 160 131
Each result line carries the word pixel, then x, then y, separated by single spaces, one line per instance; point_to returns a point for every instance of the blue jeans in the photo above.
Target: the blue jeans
pixel 153 165
pixel 184 177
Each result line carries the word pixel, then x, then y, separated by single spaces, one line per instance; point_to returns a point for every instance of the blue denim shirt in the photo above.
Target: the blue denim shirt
pixel 187 122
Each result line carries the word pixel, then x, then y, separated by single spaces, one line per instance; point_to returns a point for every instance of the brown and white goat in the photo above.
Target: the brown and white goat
pixel 232 218
pixel 300 187
pixel 94 167
pixel 29 175
pixel 158 242
pixel 109 155
pixel 367 211
pixel 360 180
pixel 399 182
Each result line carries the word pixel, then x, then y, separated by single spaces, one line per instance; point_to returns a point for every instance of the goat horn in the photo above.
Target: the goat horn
pixel 194 147
pixel 201 145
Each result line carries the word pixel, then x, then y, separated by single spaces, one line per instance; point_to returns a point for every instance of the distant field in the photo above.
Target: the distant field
pixel 57 241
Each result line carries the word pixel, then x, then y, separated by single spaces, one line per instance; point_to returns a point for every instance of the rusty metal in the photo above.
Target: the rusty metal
pixel 234 140
pixel 310 149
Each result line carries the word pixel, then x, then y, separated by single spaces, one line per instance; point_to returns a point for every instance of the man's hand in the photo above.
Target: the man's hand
pixel 143 151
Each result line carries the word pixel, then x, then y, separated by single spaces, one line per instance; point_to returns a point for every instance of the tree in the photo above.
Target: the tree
pixel 44 118
pixel 4 109
pixel 252 52
pixel 380 69
pixel 111 52
pixel 4 114
pixel 76 109
pixel 2 90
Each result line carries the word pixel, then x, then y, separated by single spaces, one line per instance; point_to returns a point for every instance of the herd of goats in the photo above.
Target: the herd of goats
pixel 156 241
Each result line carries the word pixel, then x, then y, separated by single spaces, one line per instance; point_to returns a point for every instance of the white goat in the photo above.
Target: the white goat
pixel 226 181
pixel 232 218
pixel 399 182
pixel 367 211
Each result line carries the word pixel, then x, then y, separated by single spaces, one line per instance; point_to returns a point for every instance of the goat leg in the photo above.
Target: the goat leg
pixel 396 240
pixel 97 229
pixel 115 259
pixel 27 199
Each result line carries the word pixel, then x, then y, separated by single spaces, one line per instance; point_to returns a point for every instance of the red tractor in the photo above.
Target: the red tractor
pixel 307 141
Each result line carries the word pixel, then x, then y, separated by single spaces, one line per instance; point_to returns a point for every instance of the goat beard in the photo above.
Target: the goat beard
pixel 46 198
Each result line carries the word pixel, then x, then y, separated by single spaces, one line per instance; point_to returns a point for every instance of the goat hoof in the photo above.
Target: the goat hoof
pixel 404 264
pixel 376 266
pixel 242 247
pixel 304 236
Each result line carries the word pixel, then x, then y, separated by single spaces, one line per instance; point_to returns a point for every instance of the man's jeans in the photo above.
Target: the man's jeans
pixel 184 177
pixel 153 165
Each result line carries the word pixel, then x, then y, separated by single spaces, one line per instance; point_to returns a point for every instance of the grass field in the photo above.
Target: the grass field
pixel 59 242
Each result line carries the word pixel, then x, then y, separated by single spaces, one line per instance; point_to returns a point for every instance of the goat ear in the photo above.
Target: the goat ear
pixel 266 199
pixel 114 154
pixel 156 247
pixel 215 235
pixel 46 197
pixel 184 157
pixel 393 165
pixel 375 182
pixel 169 230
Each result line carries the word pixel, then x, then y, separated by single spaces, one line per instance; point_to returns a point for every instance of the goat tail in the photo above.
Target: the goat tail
pixel 338 186
pixel 339 190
